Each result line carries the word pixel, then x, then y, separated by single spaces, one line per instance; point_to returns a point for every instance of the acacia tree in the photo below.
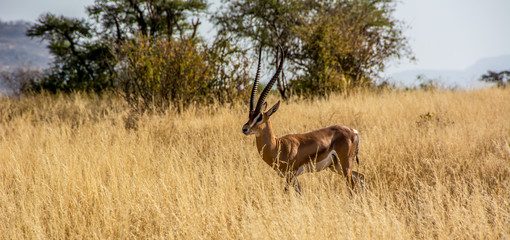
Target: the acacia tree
pixel 346 44
pixel 266 23
pixel 83 49
pixel 149 18
pixel 160 60
pixel 501 78
pixel 79 63
pixel 331 45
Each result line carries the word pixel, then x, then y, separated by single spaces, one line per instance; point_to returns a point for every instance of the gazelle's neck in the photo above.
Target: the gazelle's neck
pixel 266 143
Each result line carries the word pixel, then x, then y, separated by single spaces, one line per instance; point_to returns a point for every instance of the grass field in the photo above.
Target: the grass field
pixel 437 166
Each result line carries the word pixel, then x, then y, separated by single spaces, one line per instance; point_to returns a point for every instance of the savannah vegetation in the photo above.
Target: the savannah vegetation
pixel 436 166
pixel 501 78
pixel 134 130
pixel 154 54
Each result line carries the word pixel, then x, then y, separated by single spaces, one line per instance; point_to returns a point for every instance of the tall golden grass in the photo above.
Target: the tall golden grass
pixel 437 166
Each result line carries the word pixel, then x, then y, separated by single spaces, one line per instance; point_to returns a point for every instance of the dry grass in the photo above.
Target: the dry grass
pixel 437 166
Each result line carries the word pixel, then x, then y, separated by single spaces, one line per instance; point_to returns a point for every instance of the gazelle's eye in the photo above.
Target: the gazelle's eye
pixel 259 119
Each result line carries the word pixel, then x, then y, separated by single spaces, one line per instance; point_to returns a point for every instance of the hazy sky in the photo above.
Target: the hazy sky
pixel 444 34
pixel 453 34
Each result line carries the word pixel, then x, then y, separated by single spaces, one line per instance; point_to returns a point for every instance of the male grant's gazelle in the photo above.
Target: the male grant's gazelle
pixel 334 147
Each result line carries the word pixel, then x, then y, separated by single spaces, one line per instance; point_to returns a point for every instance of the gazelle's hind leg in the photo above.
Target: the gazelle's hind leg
pixel 345 167
pixel 342 166
pixel 356 177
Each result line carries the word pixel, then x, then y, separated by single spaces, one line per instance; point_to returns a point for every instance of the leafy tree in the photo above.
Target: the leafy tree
pixel 83 50
pixel 231 70
pixel 347 43
pixel 79 62
pixel 331 45
pixel 155 18
pixel 160 60
pixel 264 22
pixel 501 78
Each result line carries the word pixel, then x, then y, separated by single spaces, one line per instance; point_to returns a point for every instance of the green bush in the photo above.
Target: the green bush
pixel 156 74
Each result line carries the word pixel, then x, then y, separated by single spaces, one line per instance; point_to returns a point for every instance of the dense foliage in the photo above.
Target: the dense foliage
pixel 153 52
pixel 331 45
pixel 123 19
pixel 80 62
pixel 155 74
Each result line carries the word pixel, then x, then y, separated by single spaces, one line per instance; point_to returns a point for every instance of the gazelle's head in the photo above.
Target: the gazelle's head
pixel 258 114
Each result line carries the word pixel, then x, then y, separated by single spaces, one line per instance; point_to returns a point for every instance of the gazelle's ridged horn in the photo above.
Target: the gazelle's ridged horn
pixel 270 83
pixel 255 83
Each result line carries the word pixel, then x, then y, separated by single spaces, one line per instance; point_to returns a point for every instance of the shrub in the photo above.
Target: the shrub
pixel 156 74
pixel 21 80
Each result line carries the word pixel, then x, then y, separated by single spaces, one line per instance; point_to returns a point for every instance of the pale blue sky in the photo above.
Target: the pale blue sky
pixel 454 34
pixel 444 34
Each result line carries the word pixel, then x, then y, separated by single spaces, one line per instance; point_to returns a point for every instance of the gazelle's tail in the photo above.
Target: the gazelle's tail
pixel 357 146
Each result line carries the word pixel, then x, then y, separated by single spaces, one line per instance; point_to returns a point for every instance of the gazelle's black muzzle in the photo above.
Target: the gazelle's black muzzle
pixel 246 129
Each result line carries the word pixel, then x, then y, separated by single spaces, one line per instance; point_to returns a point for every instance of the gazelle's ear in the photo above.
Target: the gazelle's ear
pixel 264 106
pixel 273 109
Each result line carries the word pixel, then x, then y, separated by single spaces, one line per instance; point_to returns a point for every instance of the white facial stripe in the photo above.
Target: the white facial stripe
pixel 254 121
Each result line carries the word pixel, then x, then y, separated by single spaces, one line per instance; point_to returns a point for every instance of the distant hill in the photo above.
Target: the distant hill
pixel 16 49
pixel 464 79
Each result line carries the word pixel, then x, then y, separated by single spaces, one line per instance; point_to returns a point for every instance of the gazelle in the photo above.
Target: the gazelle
pixel 334 147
